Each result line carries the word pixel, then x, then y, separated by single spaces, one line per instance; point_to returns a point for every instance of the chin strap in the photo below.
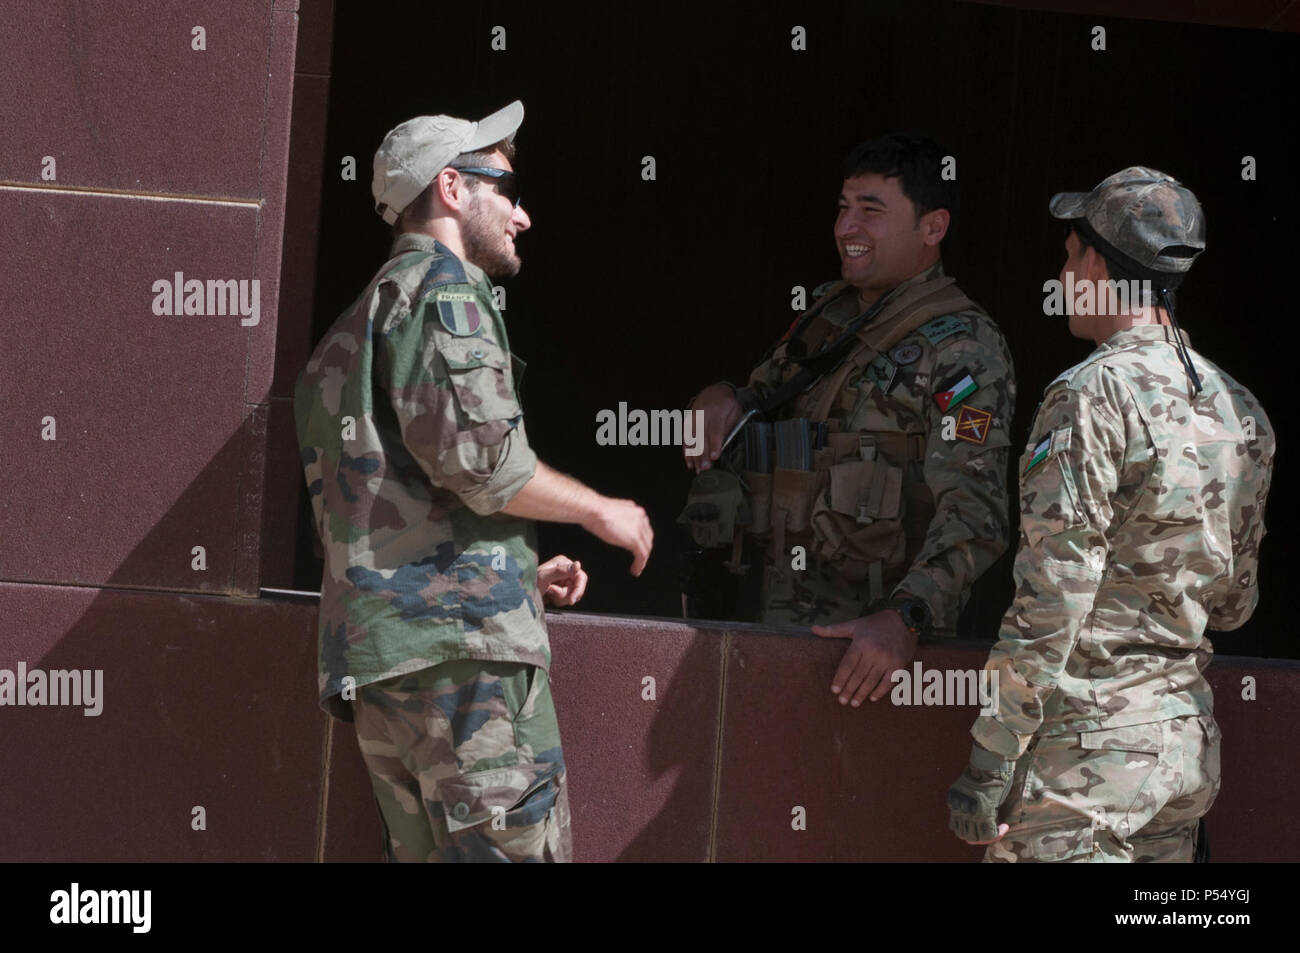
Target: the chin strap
pixel 1167 302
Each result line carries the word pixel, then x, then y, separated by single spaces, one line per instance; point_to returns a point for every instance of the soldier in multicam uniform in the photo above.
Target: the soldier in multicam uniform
pixel 906 505
pixel 424 488
pixel 1142 507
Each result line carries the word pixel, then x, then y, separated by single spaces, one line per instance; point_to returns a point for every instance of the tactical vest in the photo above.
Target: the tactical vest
pixel 864 510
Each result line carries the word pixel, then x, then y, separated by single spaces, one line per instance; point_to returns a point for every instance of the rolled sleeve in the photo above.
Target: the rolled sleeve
pixel 457 411
pixel 515 465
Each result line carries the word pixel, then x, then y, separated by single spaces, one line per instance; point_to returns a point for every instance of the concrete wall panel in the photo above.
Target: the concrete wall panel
pixel 149 410
pixel 870 781
pixel 641 770
pixel 1259 767
pixel 205 702
pixel 161 423
pixel 211 701
pixel 116 93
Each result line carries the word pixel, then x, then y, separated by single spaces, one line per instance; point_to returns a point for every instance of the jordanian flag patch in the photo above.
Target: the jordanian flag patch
pixel 459 312
pixel 956 390
pixel 1041 453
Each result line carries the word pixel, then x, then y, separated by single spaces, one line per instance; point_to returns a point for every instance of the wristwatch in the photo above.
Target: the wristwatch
pixel 916 614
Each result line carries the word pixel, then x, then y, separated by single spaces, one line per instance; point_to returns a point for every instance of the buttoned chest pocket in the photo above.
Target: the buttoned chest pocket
pixel 481 381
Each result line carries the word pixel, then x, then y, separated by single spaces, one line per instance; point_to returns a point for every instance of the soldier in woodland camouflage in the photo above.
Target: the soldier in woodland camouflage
pixel 906 505
pixel 1142 509
pixel 424 488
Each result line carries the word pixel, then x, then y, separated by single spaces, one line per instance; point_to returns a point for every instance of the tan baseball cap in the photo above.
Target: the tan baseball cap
pixel 412 154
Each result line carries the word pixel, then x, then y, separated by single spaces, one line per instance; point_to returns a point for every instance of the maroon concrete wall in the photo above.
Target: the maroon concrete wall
pixel 210 702
pixel 207 702
pixel 167 159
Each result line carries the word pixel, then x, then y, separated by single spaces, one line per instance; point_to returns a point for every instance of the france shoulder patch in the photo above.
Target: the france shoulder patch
pixel 459 312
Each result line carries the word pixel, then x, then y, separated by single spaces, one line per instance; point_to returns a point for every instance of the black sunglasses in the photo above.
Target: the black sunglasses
pixel 506 182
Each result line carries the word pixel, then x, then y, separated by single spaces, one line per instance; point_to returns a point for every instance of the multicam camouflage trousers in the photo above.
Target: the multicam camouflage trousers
pixel 1117 795
pixel 465 761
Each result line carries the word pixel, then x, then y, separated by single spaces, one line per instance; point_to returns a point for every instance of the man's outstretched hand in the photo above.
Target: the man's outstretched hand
pixel 624 524
pixel 561 581
pixel 881 645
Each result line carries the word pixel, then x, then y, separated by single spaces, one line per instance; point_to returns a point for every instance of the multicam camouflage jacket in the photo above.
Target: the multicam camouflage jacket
pixel 412 440
pixel 938 405
pixel 1141 517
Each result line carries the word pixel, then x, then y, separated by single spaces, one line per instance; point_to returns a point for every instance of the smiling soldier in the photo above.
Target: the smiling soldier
pixel 424 489
pixel 907 386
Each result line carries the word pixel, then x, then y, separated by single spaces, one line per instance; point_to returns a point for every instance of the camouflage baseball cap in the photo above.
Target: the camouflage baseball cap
pixel 413 154
pixel 1144 216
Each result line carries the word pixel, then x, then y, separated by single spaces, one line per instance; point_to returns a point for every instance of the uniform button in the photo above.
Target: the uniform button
pixel 477 354
pixel 461 811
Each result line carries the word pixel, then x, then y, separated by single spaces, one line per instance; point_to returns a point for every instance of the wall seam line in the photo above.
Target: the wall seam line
pixel 712 855
pixel 324 802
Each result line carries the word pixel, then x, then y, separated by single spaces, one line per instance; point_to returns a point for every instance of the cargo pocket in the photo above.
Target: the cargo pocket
pixel 760 501
pixel 479 371
pixel 860 520
pixel 1046 845
pixel 521 794
pixel 846 480
pixel 867 490
pixel 1046 825
pixel 1137 783
pixel 794 493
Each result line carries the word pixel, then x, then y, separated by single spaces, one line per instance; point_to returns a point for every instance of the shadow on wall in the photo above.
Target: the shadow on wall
pixel 207 701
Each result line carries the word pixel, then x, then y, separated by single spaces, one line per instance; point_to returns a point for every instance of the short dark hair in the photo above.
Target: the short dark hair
pixel 1120 270
pixel 917 162
pixel 421 208
pixel 1116 270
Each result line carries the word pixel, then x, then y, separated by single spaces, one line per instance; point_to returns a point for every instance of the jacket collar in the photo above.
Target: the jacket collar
pixel 1144 332
pixel 415 241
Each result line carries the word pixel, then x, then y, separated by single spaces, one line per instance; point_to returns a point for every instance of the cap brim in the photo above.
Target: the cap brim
pixel 1068 204
pixel 502 124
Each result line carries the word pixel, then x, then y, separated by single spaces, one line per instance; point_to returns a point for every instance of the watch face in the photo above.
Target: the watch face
pixel 916 614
